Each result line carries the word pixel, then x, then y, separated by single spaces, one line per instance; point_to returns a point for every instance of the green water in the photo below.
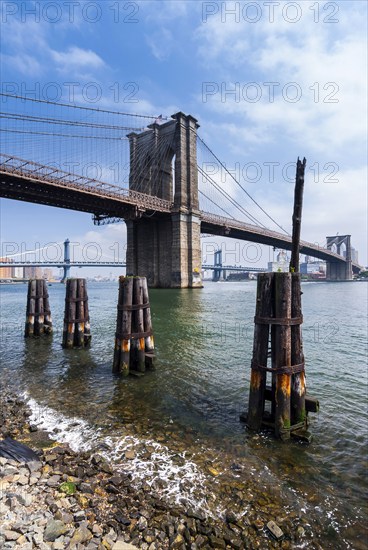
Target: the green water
pixel 193 400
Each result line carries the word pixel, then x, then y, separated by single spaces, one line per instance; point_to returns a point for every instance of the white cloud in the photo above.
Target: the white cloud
pixel 326 63
pixel 76 58
pixel 26 64
pixel 160 43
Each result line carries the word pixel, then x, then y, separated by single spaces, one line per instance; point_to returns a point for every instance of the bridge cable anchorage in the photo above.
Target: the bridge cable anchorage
pixel 245 191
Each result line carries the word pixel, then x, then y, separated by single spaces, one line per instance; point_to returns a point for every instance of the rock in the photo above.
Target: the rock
pixel 177 542
pixel 97 529
pixel 275 530
pixel 130 455
pixel 81 535
pixel 11 535
pixel 54 529
pixel 142 523
pixel 86 488
pixel 121 545
pixel 196 514
pixel 230 517
pixel 258 524
pixel 216 542
pixel 53 481
pixel 23 480
pixel 50 458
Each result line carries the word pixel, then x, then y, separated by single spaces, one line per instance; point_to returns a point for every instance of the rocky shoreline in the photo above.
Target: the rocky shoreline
pixel 78 500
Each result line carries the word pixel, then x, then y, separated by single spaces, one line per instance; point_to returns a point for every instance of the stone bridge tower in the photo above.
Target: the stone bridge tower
pixel 166 247
pixel 338 271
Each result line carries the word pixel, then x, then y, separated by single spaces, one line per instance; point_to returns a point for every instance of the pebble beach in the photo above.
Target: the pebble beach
pixel 70 499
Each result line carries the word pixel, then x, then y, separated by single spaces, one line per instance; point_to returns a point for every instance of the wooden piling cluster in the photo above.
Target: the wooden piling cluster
pixel 134 345
pixel 38 314
pixel 278 320
pixel 77 330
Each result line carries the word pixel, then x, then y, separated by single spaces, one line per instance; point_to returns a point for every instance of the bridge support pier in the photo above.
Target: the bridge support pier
pixel 338 271
pixel 66 268
pixel 166 249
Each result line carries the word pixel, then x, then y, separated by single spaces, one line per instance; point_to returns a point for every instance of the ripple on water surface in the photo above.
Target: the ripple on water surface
pixel 193 400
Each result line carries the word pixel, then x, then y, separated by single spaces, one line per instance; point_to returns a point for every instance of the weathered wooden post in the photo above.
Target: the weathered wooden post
pixel 149 341
pixel 282 355
pixel 38 315
pixel 260 352
pixel 31 308
pixel 76 331
pixel 134 346
pixel 47 311
pixel 123 326
pixel 298 412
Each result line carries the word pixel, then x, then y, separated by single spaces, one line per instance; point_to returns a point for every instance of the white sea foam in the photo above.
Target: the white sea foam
pixel 74 431
pixel 174 477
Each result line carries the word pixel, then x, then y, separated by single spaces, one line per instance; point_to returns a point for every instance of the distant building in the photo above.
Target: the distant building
pixel 48 274
pixel 309 268
pixel 32 273
pixel 281 264
pixel 18 273
pixel 240 276
pixel 354 255
pixel 6 272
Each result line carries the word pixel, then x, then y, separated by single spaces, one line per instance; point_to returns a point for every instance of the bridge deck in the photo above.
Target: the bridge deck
pixel 24 180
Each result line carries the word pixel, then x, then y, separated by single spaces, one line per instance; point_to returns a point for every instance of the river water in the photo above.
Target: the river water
pixel 183 418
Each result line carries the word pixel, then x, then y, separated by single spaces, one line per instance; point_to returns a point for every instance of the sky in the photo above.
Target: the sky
pixel 267 81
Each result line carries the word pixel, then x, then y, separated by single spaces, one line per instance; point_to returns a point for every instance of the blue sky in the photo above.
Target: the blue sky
pixel 268 82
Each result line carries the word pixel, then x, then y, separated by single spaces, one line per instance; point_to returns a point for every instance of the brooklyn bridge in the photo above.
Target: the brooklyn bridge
pixel 155 173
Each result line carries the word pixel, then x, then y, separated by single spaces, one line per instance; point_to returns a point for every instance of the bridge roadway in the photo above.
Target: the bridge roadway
pixel 32 182
pixel 120 264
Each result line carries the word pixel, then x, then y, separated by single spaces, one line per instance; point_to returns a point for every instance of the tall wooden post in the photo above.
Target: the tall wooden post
pixel 123 326
pixel 38 316
pixel 31 308
pixel 76 317
pixel 47 312
pixel 298 412
pixel 297 215
pixel 149 340
pixel 138 325
pixel 260 352
pixel 282 312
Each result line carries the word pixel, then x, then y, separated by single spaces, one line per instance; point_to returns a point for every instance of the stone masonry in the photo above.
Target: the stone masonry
pixel 166 249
